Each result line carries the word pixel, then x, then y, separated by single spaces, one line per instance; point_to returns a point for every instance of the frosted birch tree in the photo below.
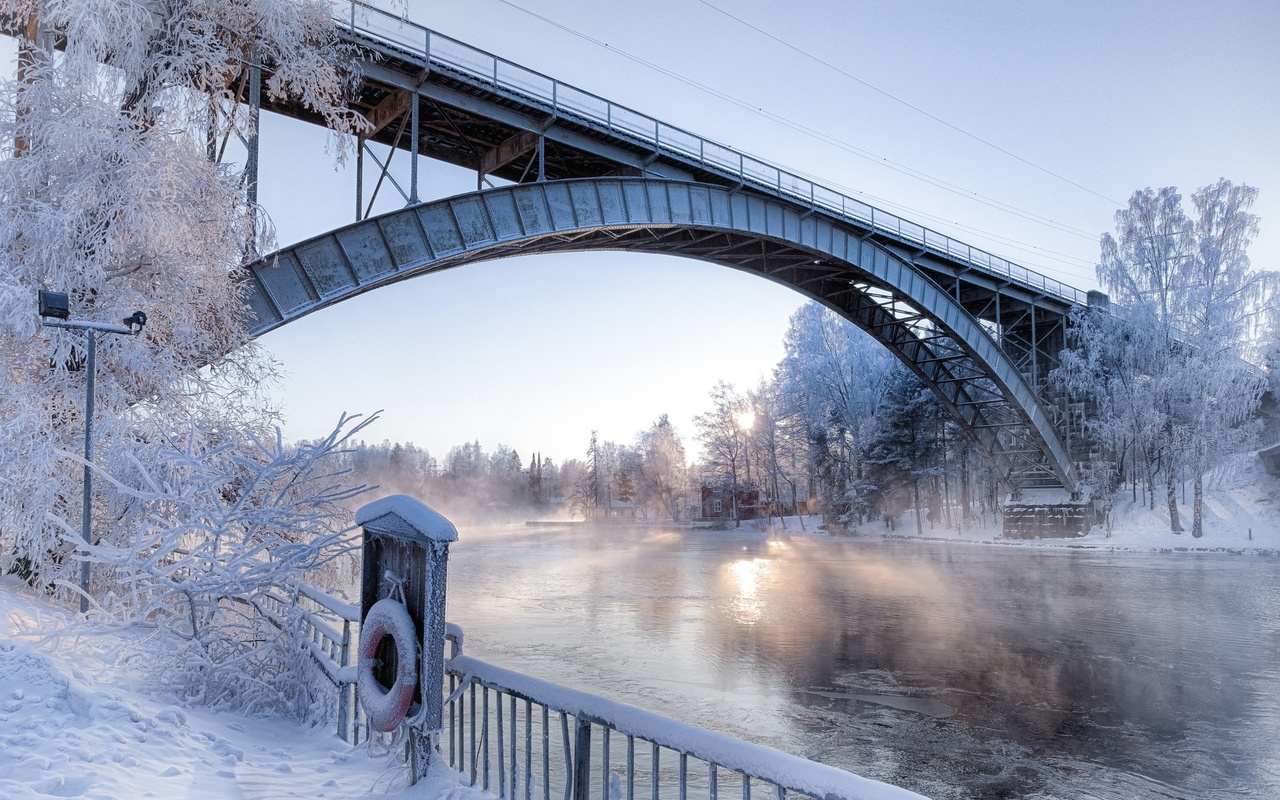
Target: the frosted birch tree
pixel 1224 306
pixel 1168 373
pixel 108 192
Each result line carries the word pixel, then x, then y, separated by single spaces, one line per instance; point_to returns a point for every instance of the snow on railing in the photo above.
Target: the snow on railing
pixel 499 724
pixel 562 101
pixel 328 626
pixel 525 738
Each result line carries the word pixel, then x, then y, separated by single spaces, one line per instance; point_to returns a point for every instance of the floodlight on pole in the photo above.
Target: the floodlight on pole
pixel 55 309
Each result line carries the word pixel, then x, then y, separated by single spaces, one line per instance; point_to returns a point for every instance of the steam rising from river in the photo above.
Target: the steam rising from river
pixel 858 651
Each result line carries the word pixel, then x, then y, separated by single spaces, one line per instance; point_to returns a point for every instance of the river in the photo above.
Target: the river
pixel 956 670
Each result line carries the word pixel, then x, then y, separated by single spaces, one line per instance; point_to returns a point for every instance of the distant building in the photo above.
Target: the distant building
pixel 619 509
pixel 717 503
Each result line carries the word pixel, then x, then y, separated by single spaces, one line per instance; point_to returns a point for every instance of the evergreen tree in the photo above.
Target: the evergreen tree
pixel 905 444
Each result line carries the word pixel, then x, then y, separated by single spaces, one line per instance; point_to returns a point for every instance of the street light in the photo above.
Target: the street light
pixel 55 310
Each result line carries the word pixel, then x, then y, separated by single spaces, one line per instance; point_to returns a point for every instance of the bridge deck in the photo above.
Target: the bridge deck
pixel 485 113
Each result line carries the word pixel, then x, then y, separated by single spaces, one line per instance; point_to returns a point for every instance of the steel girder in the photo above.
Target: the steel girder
pixel 816 255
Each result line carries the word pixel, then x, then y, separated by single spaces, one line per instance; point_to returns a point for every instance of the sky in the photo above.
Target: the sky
pixel 1017 127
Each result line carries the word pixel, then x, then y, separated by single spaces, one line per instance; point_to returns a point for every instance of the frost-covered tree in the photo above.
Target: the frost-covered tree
pixel 1168 375
pixel 833 376
pixel 788 436
pixel 225 533
pixel 722 432
pixel 905 446
pixel 661 475
pixel 1114 365
pixel 1225 306
pixel 768 445
pixel 108 193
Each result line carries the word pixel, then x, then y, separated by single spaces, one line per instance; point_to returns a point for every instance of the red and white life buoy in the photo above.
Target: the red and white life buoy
pixel 387 708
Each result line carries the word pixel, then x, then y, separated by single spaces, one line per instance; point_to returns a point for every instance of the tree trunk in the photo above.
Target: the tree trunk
pixel 28 58
pixel 1150 486
pixel 1197 513
pixel 737 517
pixel 1171 494
pixel 919 522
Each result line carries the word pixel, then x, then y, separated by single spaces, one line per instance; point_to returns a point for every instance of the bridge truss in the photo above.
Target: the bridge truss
pixel 819 257
pixel 982 332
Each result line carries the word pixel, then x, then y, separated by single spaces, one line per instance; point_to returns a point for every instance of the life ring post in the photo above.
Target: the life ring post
pixel 405 554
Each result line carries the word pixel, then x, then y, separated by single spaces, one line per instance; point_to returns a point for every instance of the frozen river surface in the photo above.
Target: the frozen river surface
pixel 959 671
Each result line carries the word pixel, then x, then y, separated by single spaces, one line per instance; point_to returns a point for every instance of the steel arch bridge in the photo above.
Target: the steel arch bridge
pixel 820 256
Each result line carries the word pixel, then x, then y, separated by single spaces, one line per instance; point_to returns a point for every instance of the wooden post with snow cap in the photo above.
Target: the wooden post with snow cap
pixel 405 559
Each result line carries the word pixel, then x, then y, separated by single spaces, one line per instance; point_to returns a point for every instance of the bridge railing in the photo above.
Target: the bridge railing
pixel 562 100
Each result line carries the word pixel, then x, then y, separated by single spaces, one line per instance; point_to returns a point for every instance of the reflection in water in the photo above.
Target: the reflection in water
pixel 748 607
pixel 960 671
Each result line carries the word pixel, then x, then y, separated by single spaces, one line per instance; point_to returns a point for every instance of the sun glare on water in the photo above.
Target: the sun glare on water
pixel 746 581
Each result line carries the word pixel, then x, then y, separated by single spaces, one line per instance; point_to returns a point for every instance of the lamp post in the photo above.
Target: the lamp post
pixel 55 310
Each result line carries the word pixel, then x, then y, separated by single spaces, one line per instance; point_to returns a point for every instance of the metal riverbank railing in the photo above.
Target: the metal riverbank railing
pixel 329 629
pixel 437 52
pixel 522 738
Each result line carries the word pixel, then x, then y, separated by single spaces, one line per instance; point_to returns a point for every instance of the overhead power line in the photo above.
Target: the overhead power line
pixel 906 103
pixel 813 133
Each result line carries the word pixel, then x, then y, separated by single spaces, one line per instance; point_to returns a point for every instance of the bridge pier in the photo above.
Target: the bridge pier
pixel 1046 514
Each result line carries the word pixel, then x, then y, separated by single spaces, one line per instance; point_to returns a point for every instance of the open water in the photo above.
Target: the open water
pixel 955 670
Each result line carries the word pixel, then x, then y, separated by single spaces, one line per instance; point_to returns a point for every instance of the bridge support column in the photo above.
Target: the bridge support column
pixel 359 179
pixel 1035 351
pixel 251 160
pixel 413 154
pixel 1047 514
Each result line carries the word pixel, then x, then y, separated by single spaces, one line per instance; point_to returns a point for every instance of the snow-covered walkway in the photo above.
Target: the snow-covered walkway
pixel 74 723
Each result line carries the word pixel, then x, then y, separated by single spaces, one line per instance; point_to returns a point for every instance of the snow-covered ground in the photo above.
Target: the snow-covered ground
pixel 74 722
pixel 1243 515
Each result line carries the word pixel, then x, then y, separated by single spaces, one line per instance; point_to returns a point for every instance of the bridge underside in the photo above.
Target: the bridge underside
pixel 885 295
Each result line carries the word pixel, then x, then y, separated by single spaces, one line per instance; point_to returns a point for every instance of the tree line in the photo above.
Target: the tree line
pixel 840 429
pixel 647 477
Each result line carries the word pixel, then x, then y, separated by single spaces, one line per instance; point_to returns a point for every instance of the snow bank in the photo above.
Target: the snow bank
pixel 75 723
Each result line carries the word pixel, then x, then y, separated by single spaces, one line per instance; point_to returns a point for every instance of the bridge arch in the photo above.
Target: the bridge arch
pixel 814 254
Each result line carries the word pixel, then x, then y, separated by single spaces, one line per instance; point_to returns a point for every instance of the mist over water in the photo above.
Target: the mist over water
pixel 959 671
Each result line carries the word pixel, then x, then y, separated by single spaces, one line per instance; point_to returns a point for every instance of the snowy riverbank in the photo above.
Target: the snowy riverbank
pixel 74 722
pixel 1241 515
